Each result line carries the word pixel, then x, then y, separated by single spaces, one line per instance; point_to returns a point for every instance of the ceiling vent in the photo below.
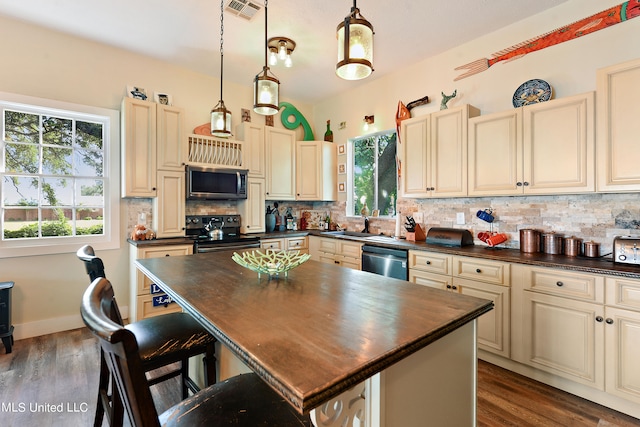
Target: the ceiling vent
pixel 242 8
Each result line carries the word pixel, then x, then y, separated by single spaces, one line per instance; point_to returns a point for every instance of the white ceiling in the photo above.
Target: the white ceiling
pixel 187 32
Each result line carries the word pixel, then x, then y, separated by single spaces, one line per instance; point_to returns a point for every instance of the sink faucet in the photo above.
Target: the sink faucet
pixel 366 225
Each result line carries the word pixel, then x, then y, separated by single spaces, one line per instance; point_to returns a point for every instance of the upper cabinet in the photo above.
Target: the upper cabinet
pixel 253 156
pixel 138 148
pixel 280 146
pixel 618 127
pixel 171 138
pixel 435 153
pixel 316 170
pixel 546 148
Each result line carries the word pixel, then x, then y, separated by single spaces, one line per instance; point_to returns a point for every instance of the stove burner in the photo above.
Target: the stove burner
pixel 230 226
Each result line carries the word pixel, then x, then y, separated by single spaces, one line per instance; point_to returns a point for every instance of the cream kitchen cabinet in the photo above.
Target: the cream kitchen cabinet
pixel 470 276
pixel 546 148
pixel 280 145
pixel 141 298
pixel 169 205
pixel 171 138
pixel 138 122
pixel 252 209
pixel 287 243
pixel 316 170
pixel 253 149
pixel 618 150
pixel 435 153
pixel 335 251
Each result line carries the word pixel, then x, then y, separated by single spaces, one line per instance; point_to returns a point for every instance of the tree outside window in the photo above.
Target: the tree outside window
pixel 374 174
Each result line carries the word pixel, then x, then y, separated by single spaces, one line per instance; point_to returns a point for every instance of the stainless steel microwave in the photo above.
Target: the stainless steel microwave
pixel 216 183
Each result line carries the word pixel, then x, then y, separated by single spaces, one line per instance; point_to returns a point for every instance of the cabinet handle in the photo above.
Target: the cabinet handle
pixel 167 254
pixel 478 270
pixel 337 262
pixel 448 286
pixel 454 287
pixel 609 321
pixel 526 184
pixel 559 284
pixel 599 318
pixel 154 188
pixel 428 262
pixel 518 184
pixel 433 188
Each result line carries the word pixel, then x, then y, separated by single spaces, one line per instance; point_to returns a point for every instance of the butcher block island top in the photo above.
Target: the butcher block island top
pixel 318 332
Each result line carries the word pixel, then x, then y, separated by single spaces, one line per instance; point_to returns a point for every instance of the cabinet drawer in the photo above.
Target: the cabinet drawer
pixel 623 293
pixel 351 250
pixel 146 309
pixel 587 287
pixel 484 270
pixel 297 243
pixel 430 262
pixel 437 281
pixel 329 246
pixel 275 244
pixel 143 282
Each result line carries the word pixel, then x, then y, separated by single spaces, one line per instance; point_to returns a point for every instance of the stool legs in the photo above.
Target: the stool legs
pixel 8 342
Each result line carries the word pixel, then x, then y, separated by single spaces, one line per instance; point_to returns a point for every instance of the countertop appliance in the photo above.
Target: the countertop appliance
pixel 449 237
pixel 626 250
pixel 385 261
pixel 198 226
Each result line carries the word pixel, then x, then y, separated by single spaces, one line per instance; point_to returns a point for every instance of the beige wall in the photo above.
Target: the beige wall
pixel 47 64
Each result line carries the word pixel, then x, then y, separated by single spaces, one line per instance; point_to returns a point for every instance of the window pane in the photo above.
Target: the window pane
pixel 57 192
pixel 387 182
pixel 363 174
pixel 56 222
pixel 21 158
pixel 56 131
pixel 88 162
pixel 89 192
pixel 89 135
pixel 90 221
pixel 20 191
pixel 56 161
pixel 21 127
pixel 20 223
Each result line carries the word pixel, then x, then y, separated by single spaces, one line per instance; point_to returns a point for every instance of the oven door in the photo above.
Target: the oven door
pixel 203 247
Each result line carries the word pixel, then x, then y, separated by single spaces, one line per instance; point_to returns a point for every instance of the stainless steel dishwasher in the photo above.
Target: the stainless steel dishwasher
pixel 385 261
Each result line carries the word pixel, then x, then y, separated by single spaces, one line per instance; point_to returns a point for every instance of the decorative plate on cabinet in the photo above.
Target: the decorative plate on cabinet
pixel 532 91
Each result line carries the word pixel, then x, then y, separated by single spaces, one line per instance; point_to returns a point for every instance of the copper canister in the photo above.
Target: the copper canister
pixel 591 249
pixel 573 246
pixel 552 243
pixel 529 240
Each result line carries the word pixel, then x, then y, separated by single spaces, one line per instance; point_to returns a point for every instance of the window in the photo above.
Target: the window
pixel 57 177
pixel 373 177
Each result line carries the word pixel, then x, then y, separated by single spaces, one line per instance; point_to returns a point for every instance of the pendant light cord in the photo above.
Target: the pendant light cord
pixel 221 45
pixel 266 42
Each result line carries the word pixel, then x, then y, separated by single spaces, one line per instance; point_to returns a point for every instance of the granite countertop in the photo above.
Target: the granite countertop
pixel 602 265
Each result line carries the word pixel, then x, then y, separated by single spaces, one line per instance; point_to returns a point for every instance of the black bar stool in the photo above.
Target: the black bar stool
pixel 6 328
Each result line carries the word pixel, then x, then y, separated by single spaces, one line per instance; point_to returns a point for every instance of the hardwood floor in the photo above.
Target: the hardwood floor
pixel 59 371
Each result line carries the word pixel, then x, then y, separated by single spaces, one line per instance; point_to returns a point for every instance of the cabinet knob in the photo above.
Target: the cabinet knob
pixel 454 287
pixel 609 321
pixel 167 254
pixel 526 184
pixel 428 262
pixel 599 319
pixel 478 270
pixel 518 184
pixel 559 284
pixel 337 262
pixel 448 286
pixel 154 188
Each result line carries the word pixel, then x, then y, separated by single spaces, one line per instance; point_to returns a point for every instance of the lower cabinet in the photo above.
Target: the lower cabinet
pixel 334 251
pixel 145 299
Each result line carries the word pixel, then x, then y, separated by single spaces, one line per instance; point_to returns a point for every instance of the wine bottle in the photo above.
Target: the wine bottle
pixel 328 135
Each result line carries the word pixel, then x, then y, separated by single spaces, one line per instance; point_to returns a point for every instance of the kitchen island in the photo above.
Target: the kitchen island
pixel 326 330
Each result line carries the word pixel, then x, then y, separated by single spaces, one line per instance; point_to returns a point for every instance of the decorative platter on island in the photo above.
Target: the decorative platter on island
pixel 270 262
pixel 532 91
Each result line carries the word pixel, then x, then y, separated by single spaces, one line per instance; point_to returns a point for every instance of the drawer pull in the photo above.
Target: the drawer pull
pixel 337 262
pixel 428 262
pixel 599 319
pixel 448 286
pixel 454 287
pixel 167 254
pixel 609 321
pixel 559 284
pixel 478 270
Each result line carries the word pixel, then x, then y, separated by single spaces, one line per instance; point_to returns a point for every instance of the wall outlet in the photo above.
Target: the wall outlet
pixel 418 217
pixel 460 218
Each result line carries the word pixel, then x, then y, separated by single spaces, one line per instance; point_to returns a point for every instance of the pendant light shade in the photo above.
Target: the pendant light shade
pixel 220 116
pixel 355 46
pixel 265 87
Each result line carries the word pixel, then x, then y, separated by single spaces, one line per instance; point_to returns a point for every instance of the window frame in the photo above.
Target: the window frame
pixel 350 174
pixel 110 239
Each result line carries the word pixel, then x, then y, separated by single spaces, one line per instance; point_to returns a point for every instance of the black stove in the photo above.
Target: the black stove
pixel 198 227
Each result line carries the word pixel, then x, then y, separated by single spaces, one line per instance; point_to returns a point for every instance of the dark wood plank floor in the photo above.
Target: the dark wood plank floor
pixel 60 370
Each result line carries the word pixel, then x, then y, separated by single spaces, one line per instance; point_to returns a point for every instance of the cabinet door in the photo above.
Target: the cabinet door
pixel 253 149
pixel 618 127
pixel 171 138
pixel 495 154
pixel 622 350
pixel 438 281
pixel 447 161
pixel 251 209
pixel 559 146
pixel 308 170
pixel 281 161
pixel 138 148
pixel 494 327
pixel 564 337
pixel 414 135
pixel 169 205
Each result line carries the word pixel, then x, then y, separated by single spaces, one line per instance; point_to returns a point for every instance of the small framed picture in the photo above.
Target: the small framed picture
pixel 246 115
pixel 342 168
pixel 136 92
pixel 342 187
pixel 342 149
pixel 268 121
pixel 162 98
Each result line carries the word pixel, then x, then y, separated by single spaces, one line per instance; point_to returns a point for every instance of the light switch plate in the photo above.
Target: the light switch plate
pixel 460 218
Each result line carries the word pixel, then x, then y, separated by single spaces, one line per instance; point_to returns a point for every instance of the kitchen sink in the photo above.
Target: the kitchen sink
pixel 348 233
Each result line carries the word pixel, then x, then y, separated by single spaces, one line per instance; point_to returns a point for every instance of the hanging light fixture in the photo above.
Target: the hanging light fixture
pixel 220 116
pixel 355 46
pixel 281 48
pixel 265 87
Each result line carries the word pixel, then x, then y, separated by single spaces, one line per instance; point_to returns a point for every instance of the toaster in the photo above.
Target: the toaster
pixel 626 250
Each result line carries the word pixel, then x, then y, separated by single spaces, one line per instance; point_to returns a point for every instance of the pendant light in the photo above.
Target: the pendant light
pixel 355 46
pixel 220 116
pixel 265 87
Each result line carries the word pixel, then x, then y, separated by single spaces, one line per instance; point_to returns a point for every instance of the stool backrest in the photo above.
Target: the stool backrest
pixel 120 351
pixel 95 269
